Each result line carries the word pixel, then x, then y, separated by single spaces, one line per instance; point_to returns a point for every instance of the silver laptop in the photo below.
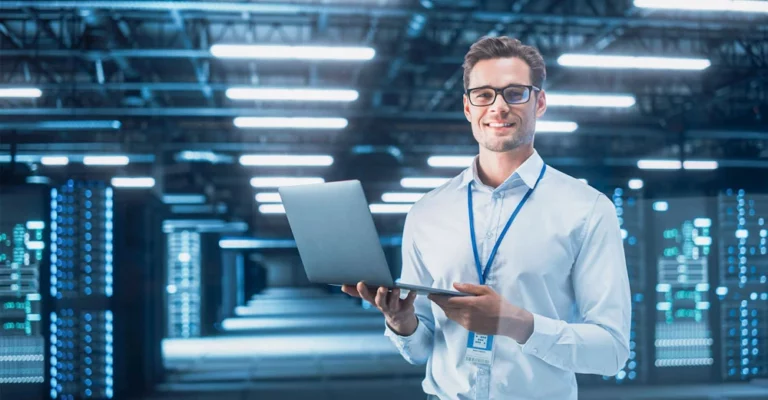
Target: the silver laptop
pixel 336 236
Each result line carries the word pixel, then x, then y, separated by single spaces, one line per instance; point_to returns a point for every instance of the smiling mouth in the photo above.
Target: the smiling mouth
pixel 500 124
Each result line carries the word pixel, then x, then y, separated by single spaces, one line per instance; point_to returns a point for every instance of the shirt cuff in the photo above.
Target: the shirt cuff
pixel 545 334
pixel 405 343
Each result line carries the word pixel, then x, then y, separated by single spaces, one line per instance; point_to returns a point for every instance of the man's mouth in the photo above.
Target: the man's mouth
pixel 500 124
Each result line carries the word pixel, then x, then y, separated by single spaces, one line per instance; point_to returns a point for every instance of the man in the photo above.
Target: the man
pixel 540 252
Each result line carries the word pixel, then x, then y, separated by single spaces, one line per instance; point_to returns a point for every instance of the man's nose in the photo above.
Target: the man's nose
pixel 499 105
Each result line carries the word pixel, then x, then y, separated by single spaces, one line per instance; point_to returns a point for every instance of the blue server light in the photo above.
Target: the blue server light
pixel 743 269
pixel 81 337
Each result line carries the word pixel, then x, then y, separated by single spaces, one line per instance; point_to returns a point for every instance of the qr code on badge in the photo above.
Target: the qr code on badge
pixel 480 341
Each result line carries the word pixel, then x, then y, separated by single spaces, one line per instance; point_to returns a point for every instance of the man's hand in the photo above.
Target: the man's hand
pixel 400 314
pixel 486 313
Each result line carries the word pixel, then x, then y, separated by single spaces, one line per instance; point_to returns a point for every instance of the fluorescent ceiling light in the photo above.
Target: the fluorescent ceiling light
pixel 275 182
pixel 106 160
pixel 276 52
pixel 272 209
pixel 705 5
pixel 659 164
pixel 292 94
pixel 20 92
pixel 635 184
pixel 269 197
pixel 141 182
pixel 590 100
pixel 390 208
pixel 290 122
pixel 397 197
pixel 54 160
pixel 450 161
pixel 422 183
pixel 556 126
pixel 286 160
pixel 700 165
pixel 203 156
pixel 183 199
pixel 632 62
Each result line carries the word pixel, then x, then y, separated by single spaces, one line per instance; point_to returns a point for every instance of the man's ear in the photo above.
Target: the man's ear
pixel 467 114
pixel 541 103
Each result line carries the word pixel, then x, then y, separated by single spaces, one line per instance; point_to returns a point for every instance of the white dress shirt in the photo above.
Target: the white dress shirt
pixel 562 260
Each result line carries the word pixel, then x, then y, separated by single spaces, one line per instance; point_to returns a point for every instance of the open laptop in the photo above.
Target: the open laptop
pixel 336 236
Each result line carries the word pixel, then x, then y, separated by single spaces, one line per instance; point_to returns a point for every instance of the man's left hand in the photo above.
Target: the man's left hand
pixel 486 312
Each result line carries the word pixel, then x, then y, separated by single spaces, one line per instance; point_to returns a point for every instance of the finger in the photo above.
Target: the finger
pixel 381 299
pixel 350 290
pixel 470 288
pixel 409 300
pixel 394 300
pixel 365 293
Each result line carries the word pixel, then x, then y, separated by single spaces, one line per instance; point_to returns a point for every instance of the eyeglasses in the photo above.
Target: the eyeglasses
pixel 513 94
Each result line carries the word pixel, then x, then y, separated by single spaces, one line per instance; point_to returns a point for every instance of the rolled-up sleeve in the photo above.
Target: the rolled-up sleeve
pixel 417 347
pixel 599 343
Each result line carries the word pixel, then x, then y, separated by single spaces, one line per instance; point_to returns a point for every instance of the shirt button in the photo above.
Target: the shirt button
pixel 489 235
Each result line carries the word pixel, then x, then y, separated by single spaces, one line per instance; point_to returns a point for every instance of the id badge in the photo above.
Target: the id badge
pixel 479 350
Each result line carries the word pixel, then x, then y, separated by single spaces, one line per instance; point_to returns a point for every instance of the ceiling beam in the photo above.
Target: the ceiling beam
pixel 390 12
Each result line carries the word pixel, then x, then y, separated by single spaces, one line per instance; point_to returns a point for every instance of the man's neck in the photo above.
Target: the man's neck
pixel 494 168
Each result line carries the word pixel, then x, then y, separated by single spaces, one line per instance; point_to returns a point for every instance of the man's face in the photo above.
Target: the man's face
pixel 519 120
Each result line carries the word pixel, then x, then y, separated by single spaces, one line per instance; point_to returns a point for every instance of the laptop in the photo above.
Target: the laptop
pixel 336 237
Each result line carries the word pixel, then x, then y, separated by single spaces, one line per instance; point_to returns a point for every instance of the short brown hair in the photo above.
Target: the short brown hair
pixel 489 47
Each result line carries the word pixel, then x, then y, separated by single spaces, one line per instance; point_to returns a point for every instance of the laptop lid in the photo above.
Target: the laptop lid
pixel 335 233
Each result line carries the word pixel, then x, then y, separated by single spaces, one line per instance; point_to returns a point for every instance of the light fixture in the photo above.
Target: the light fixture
pixel 137 182
pixel 390 208
pixel 556 126
pixel 422 183
pixel 268 197
pixel 401 197
pixel 659 164
pixel 660 206
pixel 183 199
pixel 274 182
pixel 635 184
pixel 286 160
pixel 450 161
pixel 281 52
pixel 272 209
pixel 705 5
pixel 289 94
pixel 700 164
pixel 20 93
pixel 632 62
pixel 291 122
pixel 590 100
pixel 106 160
pixel 54 160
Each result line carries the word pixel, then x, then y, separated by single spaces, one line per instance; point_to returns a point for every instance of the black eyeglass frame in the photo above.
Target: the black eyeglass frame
pixel 496 93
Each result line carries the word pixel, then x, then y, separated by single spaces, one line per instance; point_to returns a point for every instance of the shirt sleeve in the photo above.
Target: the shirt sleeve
pixel 599 343
pixel 417 347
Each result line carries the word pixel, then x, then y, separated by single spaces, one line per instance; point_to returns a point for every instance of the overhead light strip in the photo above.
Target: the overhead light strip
pixel 632 62
pixel 280 52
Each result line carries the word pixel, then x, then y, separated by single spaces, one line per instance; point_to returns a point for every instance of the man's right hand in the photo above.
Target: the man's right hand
pixel 399 313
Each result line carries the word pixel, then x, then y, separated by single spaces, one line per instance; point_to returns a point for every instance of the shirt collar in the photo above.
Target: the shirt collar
pixel 528 171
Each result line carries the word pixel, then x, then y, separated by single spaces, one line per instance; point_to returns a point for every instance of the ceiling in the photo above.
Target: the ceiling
pixel 149 66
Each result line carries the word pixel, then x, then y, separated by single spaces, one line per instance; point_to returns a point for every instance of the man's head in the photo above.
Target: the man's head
pixel 498 63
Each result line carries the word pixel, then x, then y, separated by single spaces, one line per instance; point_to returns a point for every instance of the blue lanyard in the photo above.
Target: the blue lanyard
pixel 483 274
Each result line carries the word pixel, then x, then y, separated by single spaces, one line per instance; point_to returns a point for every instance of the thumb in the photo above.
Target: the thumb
pixel 470 288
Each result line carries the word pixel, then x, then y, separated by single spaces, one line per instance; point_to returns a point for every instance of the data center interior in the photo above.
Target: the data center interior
pixel 144 253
